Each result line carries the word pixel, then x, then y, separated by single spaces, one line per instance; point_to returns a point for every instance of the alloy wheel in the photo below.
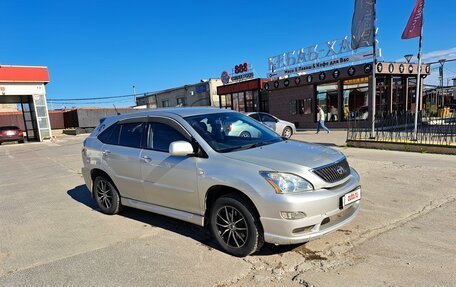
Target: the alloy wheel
pixel 232 226
pixel 104 193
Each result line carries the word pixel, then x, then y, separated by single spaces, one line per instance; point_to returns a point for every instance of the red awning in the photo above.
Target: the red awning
pixel 24 74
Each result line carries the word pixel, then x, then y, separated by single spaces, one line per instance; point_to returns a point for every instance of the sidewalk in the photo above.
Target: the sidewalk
pixel 335 138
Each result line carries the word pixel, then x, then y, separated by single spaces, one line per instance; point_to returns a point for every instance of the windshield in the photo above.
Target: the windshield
pixel 226 132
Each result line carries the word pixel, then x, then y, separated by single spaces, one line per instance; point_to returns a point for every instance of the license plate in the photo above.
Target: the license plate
pixel 351 197
pixel 10 133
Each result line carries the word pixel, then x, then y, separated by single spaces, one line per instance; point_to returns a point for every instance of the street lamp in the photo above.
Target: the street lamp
pixel 408 57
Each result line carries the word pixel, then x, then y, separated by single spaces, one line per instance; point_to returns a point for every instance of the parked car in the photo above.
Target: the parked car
pixel 184 163
pixel 284 128
pixel 11 134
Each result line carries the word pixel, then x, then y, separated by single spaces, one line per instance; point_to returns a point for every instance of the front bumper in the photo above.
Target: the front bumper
pixel 323 214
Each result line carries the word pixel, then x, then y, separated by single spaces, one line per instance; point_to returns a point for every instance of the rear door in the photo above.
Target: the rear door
pixel 169 181
pixel 121 156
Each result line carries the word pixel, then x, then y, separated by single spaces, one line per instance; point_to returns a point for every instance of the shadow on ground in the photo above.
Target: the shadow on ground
pixel 82 195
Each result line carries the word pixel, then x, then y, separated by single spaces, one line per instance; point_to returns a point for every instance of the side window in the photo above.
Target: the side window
pixel 110 135
pixel 267 118
pixel 255 116
pixel 131 134
pixel 161 136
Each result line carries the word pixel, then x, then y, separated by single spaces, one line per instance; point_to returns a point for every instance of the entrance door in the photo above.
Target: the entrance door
pixel 30 125
pixel 169 181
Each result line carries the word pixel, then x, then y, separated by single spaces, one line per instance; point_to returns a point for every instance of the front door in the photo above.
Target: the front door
pixel 169 181
pixel 269 121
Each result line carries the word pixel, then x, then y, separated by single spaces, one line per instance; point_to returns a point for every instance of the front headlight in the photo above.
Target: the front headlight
pixel 286 182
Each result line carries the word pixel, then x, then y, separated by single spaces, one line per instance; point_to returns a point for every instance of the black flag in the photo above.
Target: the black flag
pixel 363 24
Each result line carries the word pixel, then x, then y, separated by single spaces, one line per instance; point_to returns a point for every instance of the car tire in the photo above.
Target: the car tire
pixel 235 226
pixel 245 134
pixel 287 132
pixel 21 141
pixel 106 195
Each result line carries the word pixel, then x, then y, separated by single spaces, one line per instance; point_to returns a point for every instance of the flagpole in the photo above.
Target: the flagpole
pixel 374 67
pixel 418 83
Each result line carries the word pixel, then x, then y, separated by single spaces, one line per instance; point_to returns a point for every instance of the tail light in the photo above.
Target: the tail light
pixel 20 133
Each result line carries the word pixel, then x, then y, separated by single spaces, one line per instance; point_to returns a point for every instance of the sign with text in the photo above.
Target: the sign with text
pixel 240 72
pixel 330 63
pixel 315 57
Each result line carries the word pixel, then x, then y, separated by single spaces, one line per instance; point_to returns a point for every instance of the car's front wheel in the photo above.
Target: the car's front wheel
pixel 106 195
pixel 287 132
pixel 235 226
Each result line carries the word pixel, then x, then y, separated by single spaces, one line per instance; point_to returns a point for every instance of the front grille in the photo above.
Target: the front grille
pixel 334 172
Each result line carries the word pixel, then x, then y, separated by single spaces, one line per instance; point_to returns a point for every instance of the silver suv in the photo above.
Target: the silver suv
pixel 184 163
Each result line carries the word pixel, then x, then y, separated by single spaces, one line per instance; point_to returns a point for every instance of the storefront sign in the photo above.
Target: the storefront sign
pixel 242 77
pixel 323 64
pixel 241 72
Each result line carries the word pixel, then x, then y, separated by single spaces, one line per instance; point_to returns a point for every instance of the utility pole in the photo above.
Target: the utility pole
pixel 441 61
pixel 374 67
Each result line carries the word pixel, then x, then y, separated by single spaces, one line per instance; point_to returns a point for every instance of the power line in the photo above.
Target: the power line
pixel 89 99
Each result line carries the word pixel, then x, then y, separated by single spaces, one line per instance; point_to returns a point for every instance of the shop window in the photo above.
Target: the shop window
pixel 264 101
pixel 398 94
pixel 307 106
pixel 293 106
pixel 225 102
pixel 301 106
pixel 327 96
pixel 249 101
pixel 165 103
pixel 382 100
pixel 356 95
pixel 256 101
pixel 411 94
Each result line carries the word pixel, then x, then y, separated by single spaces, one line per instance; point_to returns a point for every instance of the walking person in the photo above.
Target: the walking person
pixel 321 120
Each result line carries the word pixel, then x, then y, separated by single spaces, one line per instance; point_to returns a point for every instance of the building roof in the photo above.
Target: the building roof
pixel 148 94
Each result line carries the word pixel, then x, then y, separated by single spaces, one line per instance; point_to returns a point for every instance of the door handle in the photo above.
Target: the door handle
pixel 146 159
pixel 106 153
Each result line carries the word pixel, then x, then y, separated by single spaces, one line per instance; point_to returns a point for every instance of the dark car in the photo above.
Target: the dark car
pixel 11 134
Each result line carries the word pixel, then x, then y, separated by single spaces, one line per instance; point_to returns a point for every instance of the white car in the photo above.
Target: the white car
pixel 284 128
pixel 242 129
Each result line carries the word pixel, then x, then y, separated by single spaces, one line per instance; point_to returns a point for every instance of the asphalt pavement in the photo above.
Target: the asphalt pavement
pixel 52 233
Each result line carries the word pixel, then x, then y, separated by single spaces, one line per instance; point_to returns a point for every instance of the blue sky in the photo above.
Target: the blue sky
pixel 102 48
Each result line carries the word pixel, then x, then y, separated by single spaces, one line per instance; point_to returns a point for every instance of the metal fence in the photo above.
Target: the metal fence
pixel 398 127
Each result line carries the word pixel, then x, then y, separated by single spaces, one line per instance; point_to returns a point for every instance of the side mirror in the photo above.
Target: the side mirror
pixel 180 148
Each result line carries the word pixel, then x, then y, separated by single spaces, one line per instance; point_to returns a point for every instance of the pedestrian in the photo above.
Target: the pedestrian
pixel 321 120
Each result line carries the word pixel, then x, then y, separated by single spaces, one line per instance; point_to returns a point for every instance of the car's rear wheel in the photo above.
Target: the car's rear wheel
pixel 287 132
pixel 106 195
pixel 235 226
pixel 245 134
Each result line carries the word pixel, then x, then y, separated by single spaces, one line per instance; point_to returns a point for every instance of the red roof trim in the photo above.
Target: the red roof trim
pixel 24 74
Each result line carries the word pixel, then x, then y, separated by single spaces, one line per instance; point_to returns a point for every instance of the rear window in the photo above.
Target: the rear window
pixel 131 134
pixel 128 135
pixel 7 128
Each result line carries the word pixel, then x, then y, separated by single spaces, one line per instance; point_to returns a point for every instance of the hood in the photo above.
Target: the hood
pixel 288 156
